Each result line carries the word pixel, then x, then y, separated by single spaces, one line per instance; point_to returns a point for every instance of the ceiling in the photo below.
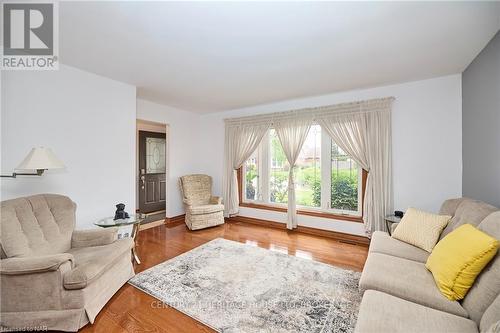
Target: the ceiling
pixel 214 56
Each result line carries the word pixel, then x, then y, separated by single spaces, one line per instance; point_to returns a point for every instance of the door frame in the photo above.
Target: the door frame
pixel 152 126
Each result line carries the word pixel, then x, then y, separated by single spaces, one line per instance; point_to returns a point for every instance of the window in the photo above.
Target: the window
pixel 327 180
pixel 308 170
pixel 344 180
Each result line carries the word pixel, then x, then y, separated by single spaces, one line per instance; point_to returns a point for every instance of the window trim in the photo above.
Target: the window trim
pixel 302 210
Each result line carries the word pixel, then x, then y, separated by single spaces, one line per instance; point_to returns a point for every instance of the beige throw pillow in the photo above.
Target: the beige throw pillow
pixel 420 228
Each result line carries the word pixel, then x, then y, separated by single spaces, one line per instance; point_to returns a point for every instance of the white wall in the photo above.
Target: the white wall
pixel 88 121
pixel 427 144
pixel 183 146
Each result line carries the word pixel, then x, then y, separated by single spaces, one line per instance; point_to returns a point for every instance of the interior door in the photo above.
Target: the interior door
pixel 152 169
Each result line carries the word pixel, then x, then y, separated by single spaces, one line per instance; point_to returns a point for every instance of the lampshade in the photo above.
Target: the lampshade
pixel 40 158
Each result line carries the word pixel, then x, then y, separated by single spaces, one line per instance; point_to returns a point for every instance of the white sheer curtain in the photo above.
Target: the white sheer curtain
pixel 292 132
pixel 241 140
pixel 365 135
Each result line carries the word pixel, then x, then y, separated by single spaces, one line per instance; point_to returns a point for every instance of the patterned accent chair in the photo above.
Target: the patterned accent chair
pixel 53 277
pixel 202 209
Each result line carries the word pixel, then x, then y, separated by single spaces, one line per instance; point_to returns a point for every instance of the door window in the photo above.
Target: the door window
pixel 155 155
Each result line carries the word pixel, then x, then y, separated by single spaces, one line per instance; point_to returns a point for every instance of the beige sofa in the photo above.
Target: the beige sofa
pixel 202 209
pixel 400 294
pixel 53 277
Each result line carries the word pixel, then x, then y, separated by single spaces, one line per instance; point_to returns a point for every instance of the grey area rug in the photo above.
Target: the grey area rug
pixel 234 287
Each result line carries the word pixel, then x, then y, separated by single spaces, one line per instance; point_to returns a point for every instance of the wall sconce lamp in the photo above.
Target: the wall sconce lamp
pixel 39 159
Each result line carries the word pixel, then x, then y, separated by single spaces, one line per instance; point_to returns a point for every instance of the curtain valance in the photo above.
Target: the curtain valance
pixel 371 105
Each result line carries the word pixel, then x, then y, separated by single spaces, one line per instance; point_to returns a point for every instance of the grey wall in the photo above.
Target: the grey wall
pixel 481 125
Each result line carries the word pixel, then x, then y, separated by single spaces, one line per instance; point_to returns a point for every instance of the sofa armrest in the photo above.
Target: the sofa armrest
pixel 93 237
pixel 215 200
pixel 38 264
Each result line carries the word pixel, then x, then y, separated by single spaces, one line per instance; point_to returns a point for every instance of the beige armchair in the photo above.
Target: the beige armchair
pixel 51 276
pixel 202 209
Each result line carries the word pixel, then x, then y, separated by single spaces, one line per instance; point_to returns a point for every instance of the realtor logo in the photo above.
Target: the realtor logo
pixel 29 36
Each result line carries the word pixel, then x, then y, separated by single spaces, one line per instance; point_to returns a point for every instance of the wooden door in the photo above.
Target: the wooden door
pixel 152 169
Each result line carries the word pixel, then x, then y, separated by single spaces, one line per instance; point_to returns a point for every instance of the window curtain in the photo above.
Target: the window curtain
pixel 292 132
pixel 241 140
pixel 365 135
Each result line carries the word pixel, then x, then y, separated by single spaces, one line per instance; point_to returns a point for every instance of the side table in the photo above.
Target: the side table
pixel 134 220
pixel 390 220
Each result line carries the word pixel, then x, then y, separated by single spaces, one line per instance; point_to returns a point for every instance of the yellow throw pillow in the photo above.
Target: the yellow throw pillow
pixel 458 259
pixel 420 228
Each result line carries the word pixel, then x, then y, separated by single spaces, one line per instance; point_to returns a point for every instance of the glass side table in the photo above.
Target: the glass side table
pixel 134 220
pixel 390 220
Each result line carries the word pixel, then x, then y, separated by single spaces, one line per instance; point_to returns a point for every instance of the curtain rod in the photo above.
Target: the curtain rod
pixel 347 106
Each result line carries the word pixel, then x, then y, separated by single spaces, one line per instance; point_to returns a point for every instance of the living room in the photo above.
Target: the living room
pixel 250 166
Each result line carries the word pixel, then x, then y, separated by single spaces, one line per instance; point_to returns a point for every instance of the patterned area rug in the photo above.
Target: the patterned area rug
pixel 234 287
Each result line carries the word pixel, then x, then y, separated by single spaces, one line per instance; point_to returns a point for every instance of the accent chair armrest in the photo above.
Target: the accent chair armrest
pixel 215 200
pixel 187 202
pixel 93 237
pixel 38 264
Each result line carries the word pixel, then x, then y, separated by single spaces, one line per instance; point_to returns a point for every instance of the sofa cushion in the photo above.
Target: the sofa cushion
pixel 37 225
pixel 406 279
pixel 491 317
pixel 380 312
pixel 92 262
pixel 420 228
pixel 206 209
pixel 381 242
pixel 468 211
pixel 487 284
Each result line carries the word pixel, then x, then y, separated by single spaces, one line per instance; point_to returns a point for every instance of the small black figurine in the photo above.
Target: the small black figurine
pixel 398 213
pixel 120 212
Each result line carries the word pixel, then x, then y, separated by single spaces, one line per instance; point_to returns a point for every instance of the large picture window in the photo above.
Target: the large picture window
pixel 327 180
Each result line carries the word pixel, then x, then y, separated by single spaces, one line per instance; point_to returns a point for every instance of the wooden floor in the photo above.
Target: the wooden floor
pixel 131 310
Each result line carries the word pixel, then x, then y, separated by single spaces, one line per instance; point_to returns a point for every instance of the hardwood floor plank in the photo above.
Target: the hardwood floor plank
pixel 131 310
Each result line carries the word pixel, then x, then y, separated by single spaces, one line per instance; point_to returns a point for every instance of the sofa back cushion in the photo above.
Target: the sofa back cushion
pixel 487 285
pixel 197 189
pixel 449 207
pixel 468 211
pixel 37 225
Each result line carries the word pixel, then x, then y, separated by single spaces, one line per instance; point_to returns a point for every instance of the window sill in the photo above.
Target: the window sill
pixel 333 216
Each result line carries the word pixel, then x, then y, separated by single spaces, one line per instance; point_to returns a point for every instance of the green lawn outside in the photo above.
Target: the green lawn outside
pixel 308 187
